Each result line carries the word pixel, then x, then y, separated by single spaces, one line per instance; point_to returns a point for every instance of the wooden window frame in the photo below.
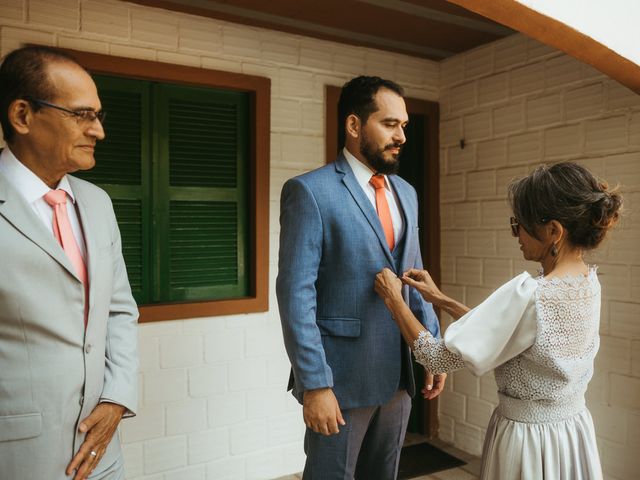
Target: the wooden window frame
pixel 259 89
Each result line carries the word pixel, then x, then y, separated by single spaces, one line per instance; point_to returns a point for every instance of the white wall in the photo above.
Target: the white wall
pixel 213 402
pixel 612 23
pixel 518 103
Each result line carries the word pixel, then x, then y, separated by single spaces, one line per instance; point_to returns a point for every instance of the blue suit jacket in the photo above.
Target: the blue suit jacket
pixel 337 331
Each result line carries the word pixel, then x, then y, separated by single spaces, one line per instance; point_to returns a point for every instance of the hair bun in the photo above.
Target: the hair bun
pixel 606 210
pixel 569 193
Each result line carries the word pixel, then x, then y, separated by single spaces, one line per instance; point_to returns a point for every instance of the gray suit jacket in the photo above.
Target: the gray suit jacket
pixel 337 331
pixel 52 372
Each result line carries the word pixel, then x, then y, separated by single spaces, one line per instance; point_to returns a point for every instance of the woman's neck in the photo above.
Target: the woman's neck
pixel 566 263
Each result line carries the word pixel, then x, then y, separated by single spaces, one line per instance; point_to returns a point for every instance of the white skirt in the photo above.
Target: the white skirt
pixel 563 450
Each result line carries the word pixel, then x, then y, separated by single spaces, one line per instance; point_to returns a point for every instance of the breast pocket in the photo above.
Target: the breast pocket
pixel 104 250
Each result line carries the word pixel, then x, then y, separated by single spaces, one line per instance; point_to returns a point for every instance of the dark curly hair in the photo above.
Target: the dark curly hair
pixel 357 97
pixel 572 195
pixel 23 74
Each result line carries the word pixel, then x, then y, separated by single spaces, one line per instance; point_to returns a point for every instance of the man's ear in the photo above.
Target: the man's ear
pixel 20 115
pixel 353 126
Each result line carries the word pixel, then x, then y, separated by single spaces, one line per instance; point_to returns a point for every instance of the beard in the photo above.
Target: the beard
pixel 375 156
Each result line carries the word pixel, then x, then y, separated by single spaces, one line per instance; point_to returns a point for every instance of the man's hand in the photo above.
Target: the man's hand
pixel 433 385
pixel 321 411
pixel 99 426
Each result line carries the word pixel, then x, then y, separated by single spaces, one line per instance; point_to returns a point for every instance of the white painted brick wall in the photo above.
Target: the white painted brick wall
pixel 510 52
pixel 537 50
pixel 214 404
pixel 584 102
pixel 492 89
pixel 481 243
pixel 526 80
pixel 478 63
pixel 562 70
pixel 165 453
pixel 186 416
pixel 467 214
pixel 63 14
pixel 508 118
pixel 213 400
pixel 543 106
pixel 524 148
pixel 564 141
pixel 543 110
pixel 478 411
pixel 492 153
pixel 477 126
pixel 12 9
pixel 105 18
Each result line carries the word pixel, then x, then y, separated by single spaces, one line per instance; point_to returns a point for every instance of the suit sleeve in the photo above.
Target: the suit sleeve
pixel 421 309
pixel 298 264
pixel 121 354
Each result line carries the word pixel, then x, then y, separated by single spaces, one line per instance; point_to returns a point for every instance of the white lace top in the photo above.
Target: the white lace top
pixel 540 336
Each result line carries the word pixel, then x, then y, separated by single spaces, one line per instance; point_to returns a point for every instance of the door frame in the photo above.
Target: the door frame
pixel 430 194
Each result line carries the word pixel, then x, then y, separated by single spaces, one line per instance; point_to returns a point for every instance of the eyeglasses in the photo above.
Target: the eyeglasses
pixel 515 226
pixel 83 115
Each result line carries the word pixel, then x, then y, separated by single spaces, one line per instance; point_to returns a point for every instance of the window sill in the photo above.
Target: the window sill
pixel 183 311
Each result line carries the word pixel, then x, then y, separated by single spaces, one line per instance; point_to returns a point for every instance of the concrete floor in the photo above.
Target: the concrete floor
pixel 470 471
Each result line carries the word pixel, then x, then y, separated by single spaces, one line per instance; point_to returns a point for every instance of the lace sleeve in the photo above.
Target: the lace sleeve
pixel 433 354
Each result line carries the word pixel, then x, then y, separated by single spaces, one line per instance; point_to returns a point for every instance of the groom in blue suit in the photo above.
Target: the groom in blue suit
pixel 340 225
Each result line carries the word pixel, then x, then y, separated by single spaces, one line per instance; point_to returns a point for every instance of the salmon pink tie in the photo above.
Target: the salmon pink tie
pixel 382 206
pixel 64 234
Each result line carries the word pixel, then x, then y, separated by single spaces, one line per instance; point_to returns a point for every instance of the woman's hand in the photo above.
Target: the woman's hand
pixel 422 281
pixel 388 286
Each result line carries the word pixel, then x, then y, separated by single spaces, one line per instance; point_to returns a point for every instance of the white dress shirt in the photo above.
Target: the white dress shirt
pixel 363 175
pixel 33 190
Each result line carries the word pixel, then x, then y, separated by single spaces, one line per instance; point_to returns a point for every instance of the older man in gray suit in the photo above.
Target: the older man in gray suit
pixel 68 361
pixel 340 225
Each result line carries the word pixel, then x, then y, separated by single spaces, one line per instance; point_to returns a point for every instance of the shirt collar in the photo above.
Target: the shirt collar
pixel 30 186
pixel 361 171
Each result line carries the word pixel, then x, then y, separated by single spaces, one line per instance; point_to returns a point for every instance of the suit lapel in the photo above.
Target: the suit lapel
pixel 349 180
pixel 18 213
pixel 406 210
pixel 88 231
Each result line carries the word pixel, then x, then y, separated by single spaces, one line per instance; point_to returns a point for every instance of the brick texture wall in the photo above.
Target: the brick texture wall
pixel 213 400
pixel 213 404
pixel 517 103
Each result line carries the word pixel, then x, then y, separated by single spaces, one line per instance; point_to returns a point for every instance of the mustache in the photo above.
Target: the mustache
pixel 393 145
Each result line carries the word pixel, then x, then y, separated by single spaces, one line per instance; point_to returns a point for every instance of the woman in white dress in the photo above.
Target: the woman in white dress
pixel 539 334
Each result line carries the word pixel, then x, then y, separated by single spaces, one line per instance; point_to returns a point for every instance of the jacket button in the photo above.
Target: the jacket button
pixel 87 348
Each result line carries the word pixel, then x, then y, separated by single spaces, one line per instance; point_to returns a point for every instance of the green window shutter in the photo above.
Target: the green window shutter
pixel 183 215
pixel 122 170
pixel 201 192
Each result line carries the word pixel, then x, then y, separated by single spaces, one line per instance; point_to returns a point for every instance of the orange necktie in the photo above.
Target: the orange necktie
pixel 382 206
pixel 64 234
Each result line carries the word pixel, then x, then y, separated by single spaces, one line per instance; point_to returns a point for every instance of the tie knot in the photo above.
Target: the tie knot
pixel 55 197
pixel 377 181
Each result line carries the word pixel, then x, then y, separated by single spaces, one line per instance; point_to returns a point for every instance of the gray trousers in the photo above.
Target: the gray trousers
pixel 367 447
pixel 113 472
